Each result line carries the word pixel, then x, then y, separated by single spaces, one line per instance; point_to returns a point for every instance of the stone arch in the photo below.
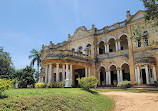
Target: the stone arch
pixel 101 48
pixel 112 47
pixel 124 42
pixel 125 71
pixel 113 73
pixel 102 75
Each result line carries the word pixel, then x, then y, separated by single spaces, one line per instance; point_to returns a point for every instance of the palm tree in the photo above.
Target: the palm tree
pixel 36 57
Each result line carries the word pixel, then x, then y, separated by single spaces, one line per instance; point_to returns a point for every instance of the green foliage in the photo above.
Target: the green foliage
pixel 55 99
pixel 25 77
pixel 36 57
pixel 88 82
pixel 114 82
pixel 6 66
pixel 55 85
pixel 124 84
pixel 4 85
pixel 40 85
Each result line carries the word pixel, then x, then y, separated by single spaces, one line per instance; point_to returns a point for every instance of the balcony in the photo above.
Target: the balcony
pixel 53 54
pixel 122 53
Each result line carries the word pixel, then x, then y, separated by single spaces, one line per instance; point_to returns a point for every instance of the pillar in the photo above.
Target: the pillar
pixel 154 73
pixel 63 73
pixel 136 75
pixel 46 74
pixel 121 76
pixel 67 71
pixel 71 73
pixel 138 72
pixel 89 73
pixel 104 78
pixel 57 72
pixel 107 48
pixel 116 46
pixel 50 73
pixel 119 46
pixel 98 49
pixel 86 75
pixel 109 77
pixel 99 78
pixel 118 76
pixel 147 74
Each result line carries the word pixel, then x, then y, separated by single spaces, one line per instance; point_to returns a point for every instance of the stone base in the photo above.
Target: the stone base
pixel 67 83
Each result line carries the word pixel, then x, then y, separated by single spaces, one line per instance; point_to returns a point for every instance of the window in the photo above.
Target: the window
pixel 139 43
pixel 88 49
pixel 146 42
pixel 73 50
pixel 80 49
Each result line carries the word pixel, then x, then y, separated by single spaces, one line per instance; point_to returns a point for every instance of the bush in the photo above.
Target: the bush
pixel 156 83
pixel 124 84
pixel 87 82
pixel 55 85
pixel 4 85
pixel 40 85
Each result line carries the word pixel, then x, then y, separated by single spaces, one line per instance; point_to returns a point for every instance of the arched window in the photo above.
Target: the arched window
pixel 101 48
pixel 139 44
pixel 123 42
pixel 146 42
pixel 73 50
pixel 80 49
pixel 88 49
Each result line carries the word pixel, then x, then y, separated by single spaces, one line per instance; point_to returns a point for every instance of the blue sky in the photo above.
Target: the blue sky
pixel 27 24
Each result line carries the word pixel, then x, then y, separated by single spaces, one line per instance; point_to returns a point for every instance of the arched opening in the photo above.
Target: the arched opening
pixel 88 49
pixel 80 49
pixel 101 48
pixel 73 50
pixel 102 76
pixel 124 42
pixel 112 47
pixel 60 77
pixel 125 72
pixel 113 75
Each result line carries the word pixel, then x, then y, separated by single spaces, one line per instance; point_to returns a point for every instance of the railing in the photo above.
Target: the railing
pixel 65 53
pixel 112 27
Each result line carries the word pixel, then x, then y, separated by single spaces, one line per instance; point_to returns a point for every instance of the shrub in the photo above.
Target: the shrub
pixel 88 82
pixel 156 83
pixel 124 84
pixel 55 85
pixel 4 85
pixel 40 85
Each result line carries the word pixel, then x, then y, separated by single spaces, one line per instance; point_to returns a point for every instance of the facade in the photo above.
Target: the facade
pixel 110 54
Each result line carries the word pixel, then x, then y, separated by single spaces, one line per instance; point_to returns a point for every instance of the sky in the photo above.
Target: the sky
pixel 27 24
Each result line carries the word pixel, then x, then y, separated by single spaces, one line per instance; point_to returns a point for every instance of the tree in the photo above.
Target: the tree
pixel 25 77
pixel 36 57
pixel 6 66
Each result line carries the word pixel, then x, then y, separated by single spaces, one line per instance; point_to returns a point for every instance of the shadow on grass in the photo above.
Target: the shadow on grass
pixel 88 90
pixel 2 96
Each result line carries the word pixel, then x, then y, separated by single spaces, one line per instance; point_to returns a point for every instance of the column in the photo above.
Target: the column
pixel 67 71
pixel 104 78
pixel 50 73
pixel 138 72
pixel 107 48
pixel 121 76
pixel 98 49
pixel 147 74
pixel 63 73
pixel 71 73
pixel 119 46
pixel 46 74
pixel 89 73
pixel 136 75
pixel 99 78
pixel 86 72
pixel 116 45
pixel 118 76
pixel 109 77
pixel 154 73
pixel 57 72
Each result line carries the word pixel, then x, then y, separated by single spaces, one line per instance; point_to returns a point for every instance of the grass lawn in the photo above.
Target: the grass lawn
pixel 55 100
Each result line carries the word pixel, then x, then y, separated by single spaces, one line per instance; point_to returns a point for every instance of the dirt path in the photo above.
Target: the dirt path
pixel 128 101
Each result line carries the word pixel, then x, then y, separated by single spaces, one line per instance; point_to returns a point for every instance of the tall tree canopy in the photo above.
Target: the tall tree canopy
pixel 36 57
pixel 6 66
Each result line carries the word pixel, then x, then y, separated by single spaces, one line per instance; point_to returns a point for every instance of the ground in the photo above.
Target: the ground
pixel 130 101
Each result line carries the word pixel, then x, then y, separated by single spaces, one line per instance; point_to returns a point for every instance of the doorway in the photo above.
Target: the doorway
pixel 143 76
